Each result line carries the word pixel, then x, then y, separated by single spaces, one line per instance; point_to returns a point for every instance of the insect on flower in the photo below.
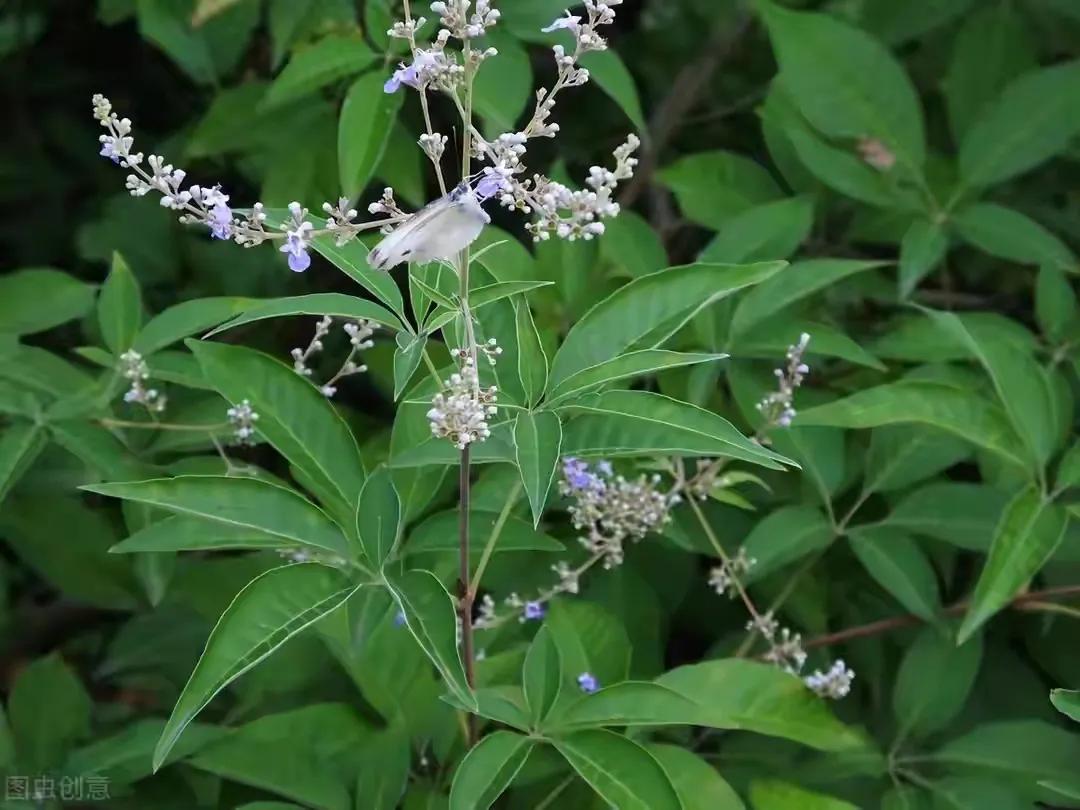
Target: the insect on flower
pixel 439 230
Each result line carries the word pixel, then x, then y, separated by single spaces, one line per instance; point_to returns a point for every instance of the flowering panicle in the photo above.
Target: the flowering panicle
pixel 209 205
pixel 243 417
pixel 835 683
pixel 724 578
pixel 137 372
pixel 612 509
pixel 778 407
pixel 786 652
pixel 460 412
pixel 359 332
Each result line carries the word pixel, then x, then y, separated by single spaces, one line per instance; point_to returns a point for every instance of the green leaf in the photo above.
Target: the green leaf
pixel 758 697
pixel 365 125
pixel 765 232
pixel 631 703
pixel 293 416
pixel 186 319
pixel 501 93
pixel 1031 121
pixel 637 423
pixel 537 443
pixel 1022 386
pixel 119 307
pixel 1068 472
pixel 184 533
pixel 590 639
pixel 1030 530
pixel 407 357
pixel 922 249
pixel 992 48
pixel 49 710
pixel 772 795
pixel 712 187
pixel 532 366
pixel 541 676
pixel 624 774
pixel 385 777
pixel 488 769
pixel 607 69
pixel 439 533
pixel 962 413
pixel 631 364
pixel 490 293
pixel 924 706
pixel 273 608
pixel 631 243
pixel 40 528
pixel 39 299
pixel 799 281
pixel 643 313
pixel 771 338
pixel 1067 702
pixel 698 784
pixel 846 83
pixel 351 259
pixel 1056 309
pixel 898 565
pixel 784 536
pixel 1010 235
pixel 20 443
pixel 901 455
pixel 331 58
pixel 1020 751
pixel 378 516
pixel 963 515
pixel 240 503
pixel 336 305
pixel 430 616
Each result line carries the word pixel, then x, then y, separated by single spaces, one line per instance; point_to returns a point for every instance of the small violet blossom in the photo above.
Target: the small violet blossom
pixel 297 238
pixel 221 220
pixel 588 683
pixel 533 611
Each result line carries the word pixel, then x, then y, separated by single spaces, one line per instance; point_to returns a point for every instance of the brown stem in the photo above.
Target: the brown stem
pixel 684 94
pixel 465 603
pixel 908 620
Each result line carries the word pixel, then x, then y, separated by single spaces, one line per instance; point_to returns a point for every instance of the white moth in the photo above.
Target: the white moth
pixel 440 229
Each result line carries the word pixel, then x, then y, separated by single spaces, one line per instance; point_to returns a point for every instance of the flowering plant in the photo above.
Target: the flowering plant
pixel 510 510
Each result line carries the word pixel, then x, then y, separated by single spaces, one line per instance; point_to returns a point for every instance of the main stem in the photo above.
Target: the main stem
pixel 465 593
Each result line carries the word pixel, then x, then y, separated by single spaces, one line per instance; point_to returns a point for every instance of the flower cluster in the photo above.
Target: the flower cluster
pixel 778 407
pixel 612 509
pixel 456 17
pixel 835 684
pixel 359 332
pixel 724 578
pixel 134 369
pixel 243 417
pixel 786 651
pixel 209 205
pixel 460 412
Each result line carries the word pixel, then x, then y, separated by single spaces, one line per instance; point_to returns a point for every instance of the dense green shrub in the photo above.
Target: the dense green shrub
pixel 741 474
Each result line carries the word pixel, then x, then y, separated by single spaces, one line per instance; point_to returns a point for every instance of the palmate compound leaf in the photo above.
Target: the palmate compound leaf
pixel 637 310
pixel 273 608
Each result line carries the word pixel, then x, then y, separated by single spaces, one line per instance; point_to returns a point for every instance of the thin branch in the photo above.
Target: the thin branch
pixel 909 620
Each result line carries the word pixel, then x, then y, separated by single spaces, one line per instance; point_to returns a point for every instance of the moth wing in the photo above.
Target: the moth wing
pixel 399 245
pixel 455 229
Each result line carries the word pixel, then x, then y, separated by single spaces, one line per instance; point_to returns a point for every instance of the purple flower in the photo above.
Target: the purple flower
pixel 533 610
pixel 490 184
pixel 588 683
pixel 221 221
pixel 577 475
pixel 296 246
pixel 569 22
pixel 108 149
pixel 399 619
pixel 403 75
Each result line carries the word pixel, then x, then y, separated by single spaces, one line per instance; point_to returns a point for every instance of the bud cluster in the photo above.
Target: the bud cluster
pixel 778 407
pixel 243 417
pixel 134 369
pixel 460 412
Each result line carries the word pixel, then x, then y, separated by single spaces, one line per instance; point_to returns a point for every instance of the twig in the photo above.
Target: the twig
pixel 909 620
pixel 685 91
